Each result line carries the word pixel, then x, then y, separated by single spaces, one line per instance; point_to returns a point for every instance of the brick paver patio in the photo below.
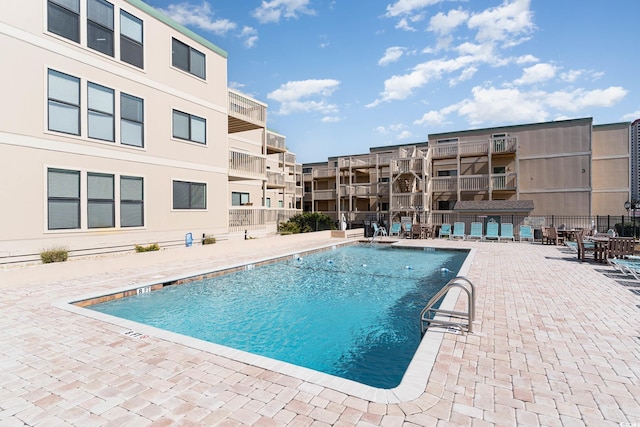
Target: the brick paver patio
pixel 556 342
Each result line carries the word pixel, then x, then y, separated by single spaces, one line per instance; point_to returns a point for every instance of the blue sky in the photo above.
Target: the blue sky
pixel 341 76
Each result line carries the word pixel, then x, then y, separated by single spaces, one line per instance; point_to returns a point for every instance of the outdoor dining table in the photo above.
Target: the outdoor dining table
pixel 600 246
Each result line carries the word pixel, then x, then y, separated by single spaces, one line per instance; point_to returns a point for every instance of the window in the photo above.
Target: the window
pixel 187 59
pixel 451 172
pixel 100 104
pixel 306 170
pixel 281 203
pixel 131 120
pixel 239 199
pixel 268 204
pixel 63 103
pixel 100 26
pixel 131 50
pixel 100 201
pixel 63 199
pixel 131 201
pixel 446 141
pixel 189 195
pixel 446 205
pixel 63 18
pixel 191 128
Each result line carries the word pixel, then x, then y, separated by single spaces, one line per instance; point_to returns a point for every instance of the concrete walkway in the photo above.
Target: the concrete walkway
pixel 556 343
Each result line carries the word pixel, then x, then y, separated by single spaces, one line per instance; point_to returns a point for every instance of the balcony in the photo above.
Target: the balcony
pixel 444 184
pixel 409 165
pixel 479 148
pixel 504 145
pixel 355 190
pixel 474 183
pixel 246 166
pixel 347 162
pixel 407 201
pixel 324 173
pixel 275 180
pixel 504 182
pixel 244 113
pixel 442 151
pixel 324 195
pixel 290 158
pixel 275 143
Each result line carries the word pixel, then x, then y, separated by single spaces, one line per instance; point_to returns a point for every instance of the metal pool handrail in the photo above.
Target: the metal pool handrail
pixel 430 316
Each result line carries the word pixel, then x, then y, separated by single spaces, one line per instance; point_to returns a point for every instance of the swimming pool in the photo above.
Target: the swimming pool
pixel 352 312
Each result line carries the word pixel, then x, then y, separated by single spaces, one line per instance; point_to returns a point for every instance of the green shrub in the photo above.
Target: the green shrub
pixel 208 240
pixel 150 248
pixel 307 222
pixel 54 255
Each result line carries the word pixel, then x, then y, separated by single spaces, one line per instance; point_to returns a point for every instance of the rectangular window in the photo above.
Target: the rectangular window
pixel 100 201
pixel 268 204
pixel 281 203
pixel 100 104
pixel 191 128
pixel 188 59
pixel 189 195
pixel 239 199
pixel 63 18
pixel 451 172
pixel 446 141
pixel 131 48
pixel 131 120
pixel 63 199
pixel 63 103
pixel 131 201
pixel 100 26
pixel 306 170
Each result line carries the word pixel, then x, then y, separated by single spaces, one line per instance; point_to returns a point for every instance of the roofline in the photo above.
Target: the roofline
pixel 150 10
pixel 612 124
pixel 480 130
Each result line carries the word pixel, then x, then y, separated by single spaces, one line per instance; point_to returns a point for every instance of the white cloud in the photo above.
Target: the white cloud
pixel 331 119
pixel 274 10
pixel 200 16
pixel 406 7
pixel 466 74
pixel 508 23
pixel 294 96
pixel 250 36
pixel 536 73
pixel 491 105
pixel 444 24
pixel 392 54
pixel 632 117
pixel 381 130
pixel 525 59
pixel 403 24
pixel 404 135
pixel 571 75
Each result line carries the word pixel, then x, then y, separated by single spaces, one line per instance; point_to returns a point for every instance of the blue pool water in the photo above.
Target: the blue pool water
pixel 352 312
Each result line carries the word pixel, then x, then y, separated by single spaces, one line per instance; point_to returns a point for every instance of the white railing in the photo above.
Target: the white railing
pixel 444 150
pixel 440 184
pixel 324 173
pixel 503 181
pixel 409 165
pixel 324 194
pixel 407 201
pixel 276 141
pixel 275 179
pixel 355 190
pixel 474 182
pixel 247 109
pixel 290 158
pixel 504 145
pixel 245 164
pixel 480 148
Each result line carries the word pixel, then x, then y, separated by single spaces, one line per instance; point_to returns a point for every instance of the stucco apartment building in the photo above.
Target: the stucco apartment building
pixel 118 128
pixel 563 168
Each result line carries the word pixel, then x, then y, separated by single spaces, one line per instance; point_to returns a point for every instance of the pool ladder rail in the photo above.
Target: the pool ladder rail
pixel 448 319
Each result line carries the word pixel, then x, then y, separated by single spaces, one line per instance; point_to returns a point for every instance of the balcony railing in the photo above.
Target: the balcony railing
pixel 505 145
pixel 474 183
pixel 407 201
pixel 346 162
pixel 480 148
pixel 245 113
pixel 355 190
pixel 409 165
pixel 324 194
pixel 290 158
pixel 501 182
pixel 440 151
pixel 324 173
pixel 474 148
pixel 275 179
pixel 245 165
pixel 241 219
pixel 276 143
pixel 444 184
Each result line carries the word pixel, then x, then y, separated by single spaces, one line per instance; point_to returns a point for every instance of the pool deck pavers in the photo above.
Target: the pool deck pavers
pixel 556 342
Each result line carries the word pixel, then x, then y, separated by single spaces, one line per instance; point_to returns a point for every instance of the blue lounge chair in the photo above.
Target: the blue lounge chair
pixel 458 230
pixel 407 230
pixel 476 231
pixel 526 233
pixel 445 231
pixel 492 231
pixel 378 230
pixel 395 229
pixel 506 232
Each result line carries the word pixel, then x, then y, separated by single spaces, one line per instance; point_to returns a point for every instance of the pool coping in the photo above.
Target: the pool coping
pixel 413 383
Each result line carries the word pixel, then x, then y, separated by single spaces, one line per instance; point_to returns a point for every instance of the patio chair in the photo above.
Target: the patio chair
pixel 476 231
pixel 395 229
pixel 492 231
pixel 526 233
pixel 458 230
pixel 626 266
pixel 379 230
pixel 620 247
pixel 550 235
pixel 406 230
pixel 445 231
pixel 584 246
pixel 506 232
